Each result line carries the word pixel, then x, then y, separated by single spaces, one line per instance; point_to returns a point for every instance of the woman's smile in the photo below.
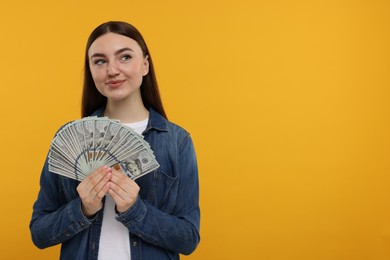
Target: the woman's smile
pixel 115 83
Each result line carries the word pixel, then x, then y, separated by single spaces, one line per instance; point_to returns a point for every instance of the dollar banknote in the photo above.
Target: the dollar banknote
pixel 82 146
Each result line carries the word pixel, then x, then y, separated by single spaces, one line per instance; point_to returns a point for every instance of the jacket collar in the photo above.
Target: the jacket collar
pixel 156 120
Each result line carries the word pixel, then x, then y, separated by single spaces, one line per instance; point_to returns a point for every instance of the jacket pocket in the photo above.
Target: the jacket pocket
pixel 163 193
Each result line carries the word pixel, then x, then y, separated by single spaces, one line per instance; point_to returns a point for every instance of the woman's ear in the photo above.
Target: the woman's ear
pixel 146 65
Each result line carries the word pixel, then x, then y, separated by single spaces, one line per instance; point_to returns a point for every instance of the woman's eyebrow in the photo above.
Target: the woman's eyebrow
pixel 97 55
pixel 123 49
pixel 116 53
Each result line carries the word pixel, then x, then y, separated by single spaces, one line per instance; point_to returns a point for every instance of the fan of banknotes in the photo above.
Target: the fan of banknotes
pixel 84 145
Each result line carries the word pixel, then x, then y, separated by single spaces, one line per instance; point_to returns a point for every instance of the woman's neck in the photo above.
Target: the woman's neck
pixel 126 112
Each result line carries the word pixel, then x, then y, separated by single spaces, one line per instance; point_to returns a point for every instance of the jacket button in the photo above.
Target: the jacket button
pixel 135 243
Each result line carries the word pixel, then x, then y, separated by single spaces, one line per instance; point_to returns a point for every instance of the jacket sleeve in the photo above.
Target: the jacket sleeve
pixel 179 231
pixel 55 219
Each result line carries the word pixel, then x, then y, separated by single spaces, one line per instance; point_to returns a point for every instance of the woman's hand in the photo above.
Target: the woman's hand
pixel 123 190
pixel 92 190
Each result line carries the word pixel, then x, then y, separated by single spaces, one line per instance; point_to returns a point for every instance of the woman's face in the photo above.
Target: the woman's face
pixel 117 65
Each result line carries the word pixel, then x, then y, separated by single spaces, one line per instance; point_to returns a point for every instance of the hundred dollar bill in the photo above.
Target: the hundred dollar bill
pixel 138 164
pixel 84 145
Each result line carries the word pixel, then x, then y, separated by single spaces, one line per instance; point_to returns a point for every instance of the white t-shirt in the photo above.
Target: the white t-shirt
pixel 114 238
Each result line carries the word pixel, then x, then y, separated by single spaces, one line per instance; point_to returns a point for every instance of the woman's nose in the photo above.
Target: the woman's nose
pixel 112 69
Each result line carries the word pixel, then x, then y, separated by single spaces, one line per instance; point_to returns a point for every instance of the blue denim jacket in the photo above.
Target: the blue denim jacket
pixel 163 222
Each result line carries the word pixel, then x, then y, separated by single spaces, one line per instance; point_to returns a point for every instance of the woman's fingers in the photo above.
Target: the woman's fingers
pixel 95 178
pixel 92 190
pixel 123 190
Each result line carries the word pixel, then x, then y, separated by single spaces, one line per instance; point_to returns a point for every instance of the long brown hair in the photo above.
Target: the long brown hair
pixel 91 97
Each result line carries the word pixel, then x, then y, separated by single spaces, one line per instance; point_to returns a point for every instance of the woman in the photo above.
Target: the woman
pixel 108 215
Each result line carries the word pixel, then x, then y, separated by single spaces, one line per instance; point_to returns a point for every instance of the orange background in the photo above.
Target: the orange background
pixel 287 103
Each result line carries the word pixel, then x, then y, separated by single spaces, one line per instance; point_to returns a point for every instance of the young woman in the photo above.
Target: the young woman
pixel 108 215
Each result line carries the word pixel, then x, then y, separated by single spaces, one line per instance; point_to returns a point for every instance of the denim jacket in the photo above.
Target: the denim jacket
pixel 163 222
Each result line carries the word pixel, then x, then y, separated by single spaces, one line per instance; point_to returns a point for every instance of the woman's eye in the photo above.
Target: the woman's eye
pixel 99 62
pixel 126 57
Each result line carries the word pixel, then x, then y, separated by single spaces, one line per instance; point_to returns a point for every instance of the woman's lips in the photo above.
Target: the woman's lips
pixel 115 83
